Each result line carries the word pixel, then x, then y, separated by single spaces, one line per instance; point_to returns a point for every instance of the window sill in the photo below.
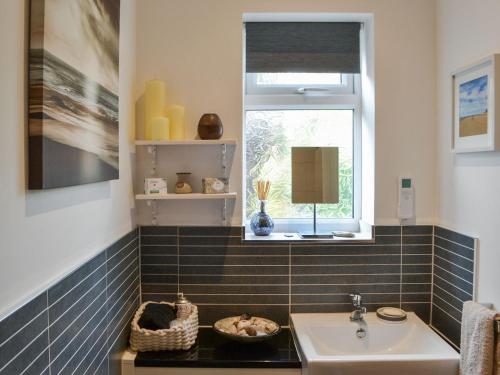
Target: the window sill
pixel 359 238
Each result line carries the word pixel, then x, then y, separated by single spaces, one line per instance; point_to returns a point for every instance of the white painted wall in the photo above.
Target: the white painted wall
pixel 196 47
pixel 45 234
pixel 468 184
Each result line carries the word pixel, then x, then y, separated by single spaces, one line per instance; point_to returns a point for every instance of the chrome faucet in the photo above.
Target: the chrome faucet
pixel 359 310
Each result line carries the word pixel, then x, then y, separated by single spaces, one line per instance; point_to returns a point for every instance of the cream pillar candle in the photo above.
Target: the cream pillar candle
pixel 176 117
pixel 160 130
pixel 154 104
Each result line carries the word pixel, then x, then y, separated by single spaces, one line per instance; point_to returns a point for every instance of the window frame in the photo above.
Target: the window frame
pixel 291 100
pixel 252 88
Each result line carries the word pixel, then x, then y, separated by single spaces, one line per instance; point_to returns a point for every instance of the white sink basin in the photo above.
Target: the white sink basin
pixel 328 345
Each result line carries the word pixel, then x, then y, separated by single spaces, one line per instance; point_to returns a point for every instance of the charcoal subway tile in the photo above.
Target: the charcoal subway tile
pixel 159 250
pixel 417 229
pixel 240 299
pixel 233 279
pixel 159 259
pixel 159 240
pixel 453 280
pixel 158 270
pixel 22 338
pixel 417 268
pixel 233 250
pixel 451 289
pixel 232 289
pixel 416 288
pixel 417 249
pixel 159 279
pixel 444 306
pixel 454 269
pixel 416 297
pixel 345 270
pixel 417 240
pixel 18 319
pixel 416 278
pixel 451 257
pixel 455 237
pixel 346 288
pixel 417 259
pixel 344 250
pixel 448 298
pixel 346 279
pixel 423 310
pixel 131 248
pixel 454 248
pixel 65 285
pixel 121 243
pixel 209 241
pixel 233 270
pixel 158 231
pixel 248 261
pixel 446 325
pixel 25 357
pixel 210 231
pixel 346 260
pixel 387 230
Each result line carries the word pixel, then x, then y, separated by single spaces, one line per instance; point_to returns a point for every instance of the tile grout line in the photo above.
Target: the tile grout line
pixel 289 282
pixel 140 265
pixel 48 331
pixel 401 268
pixel 178 262
pixel 432 275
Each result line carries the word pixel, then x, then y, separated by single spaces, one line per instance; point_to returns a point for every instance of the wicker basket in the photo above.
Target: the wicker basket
pixel 178 337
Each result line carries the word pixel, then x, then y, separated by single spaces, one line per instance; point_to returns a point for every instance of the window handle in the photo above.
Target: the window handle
pixel 305 90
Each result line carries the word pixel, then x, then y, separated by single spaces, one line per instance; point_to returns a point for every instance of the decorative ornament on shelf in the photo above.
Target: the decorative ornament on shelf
pixel 154 105
pixel 182 186
pixel 210 126
pixel 261 223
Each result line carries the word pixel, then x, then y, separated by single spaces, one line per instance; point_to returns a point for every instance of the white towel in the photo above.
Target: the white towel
pixel 477 342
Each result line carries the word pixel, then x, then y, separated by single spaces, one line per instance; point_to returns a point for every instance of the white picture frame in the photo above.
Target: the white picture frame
pixel 475 105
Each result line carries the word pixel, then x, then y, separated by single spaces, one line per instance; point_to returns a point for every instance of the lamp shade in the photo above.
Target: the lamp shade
pixel 315 175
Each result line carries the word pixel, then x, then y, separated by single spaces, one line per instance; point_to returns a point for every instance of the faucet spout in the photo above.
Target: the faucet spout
pixel 359 310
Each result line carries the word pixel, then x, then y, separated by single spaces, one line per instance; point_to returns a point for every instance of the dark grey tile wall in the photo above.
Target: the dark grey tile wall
pixel 225 276
pixel 453 280
pixel 81 324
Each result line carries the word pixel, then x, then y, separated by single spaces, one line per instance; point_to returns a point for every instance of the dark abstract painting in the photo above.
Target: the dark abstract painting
pixel 73 92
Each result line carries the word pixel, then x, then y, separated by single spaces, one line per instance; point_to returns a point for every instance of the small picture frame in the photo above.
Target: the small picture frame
pixel 476 127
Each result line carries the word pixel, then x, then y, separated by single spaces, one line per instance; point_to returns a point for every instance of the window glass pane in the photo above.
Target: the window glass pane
pixel 299 78
pixel 270 135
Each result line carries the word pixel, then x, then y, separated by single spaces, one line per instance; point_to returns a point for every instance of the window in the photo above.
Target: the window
pixel 301 108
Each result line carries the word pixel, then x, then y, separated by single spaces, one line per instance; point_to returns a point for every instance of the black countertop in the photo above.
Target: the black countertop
pixel 212 350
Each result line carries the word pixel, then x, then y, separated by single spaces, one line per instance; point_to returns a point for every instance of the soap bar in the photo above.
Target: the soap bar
pixel 344 234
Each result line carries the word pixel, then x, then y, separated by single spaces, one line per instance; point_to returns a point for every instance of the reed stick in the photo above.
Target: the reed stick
pixel 263 188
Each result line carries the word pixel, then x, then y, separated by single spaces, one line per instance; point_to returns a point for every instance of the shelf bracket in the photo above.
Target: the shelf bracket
pixel 224 159
pixel 153 151
pixel 224 212
pixel 154 211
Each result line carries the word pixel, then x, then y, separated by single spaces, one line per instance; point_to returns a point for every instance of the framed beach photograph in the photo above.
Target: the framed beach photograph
pixel 475 125
pixel 73 92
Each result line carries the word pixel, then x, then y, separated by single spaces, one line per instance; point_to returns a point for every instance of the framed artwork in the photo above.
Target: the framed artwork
pixel 73 92
pixel 476 127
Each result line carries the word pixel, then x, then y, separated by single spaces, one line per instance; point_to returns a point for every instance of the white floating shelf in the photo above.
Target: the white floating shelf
pixel 193 142
pixel 197 196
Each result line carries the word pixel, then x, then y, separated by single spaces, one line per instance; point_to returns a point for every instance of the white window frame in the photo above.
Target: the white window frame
pixel 323 101
pixel 359 97
pixel 252 88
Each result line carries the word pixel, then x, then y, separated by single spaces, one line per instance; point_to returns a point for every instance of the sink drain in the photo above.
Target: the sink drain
pixel 360 333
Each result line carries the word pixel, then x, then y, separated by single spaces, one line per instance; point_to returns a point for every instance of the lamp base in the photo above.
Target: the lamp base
pixel 315 235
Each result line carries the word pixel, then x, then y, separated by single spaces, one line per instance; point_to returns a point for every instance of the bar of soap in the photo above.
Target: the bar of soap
pixel 344 234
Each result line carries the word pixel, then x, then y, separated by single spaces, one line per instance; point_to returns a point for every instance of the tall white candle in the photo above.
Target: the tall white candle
pixel 154 104
pixel 176 117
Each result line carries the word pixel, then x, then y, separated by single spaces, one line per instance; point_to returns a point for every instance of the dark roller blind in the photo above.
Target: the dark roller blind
pixel 302 47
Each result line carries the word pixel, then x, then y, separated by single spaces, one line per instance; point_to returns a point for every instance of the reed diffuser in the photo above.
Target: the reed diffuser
pixel 261 223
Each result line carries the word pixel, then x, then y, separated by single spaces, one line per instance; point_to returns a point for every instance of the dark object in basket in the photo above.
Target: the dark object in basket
pixel 157 316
